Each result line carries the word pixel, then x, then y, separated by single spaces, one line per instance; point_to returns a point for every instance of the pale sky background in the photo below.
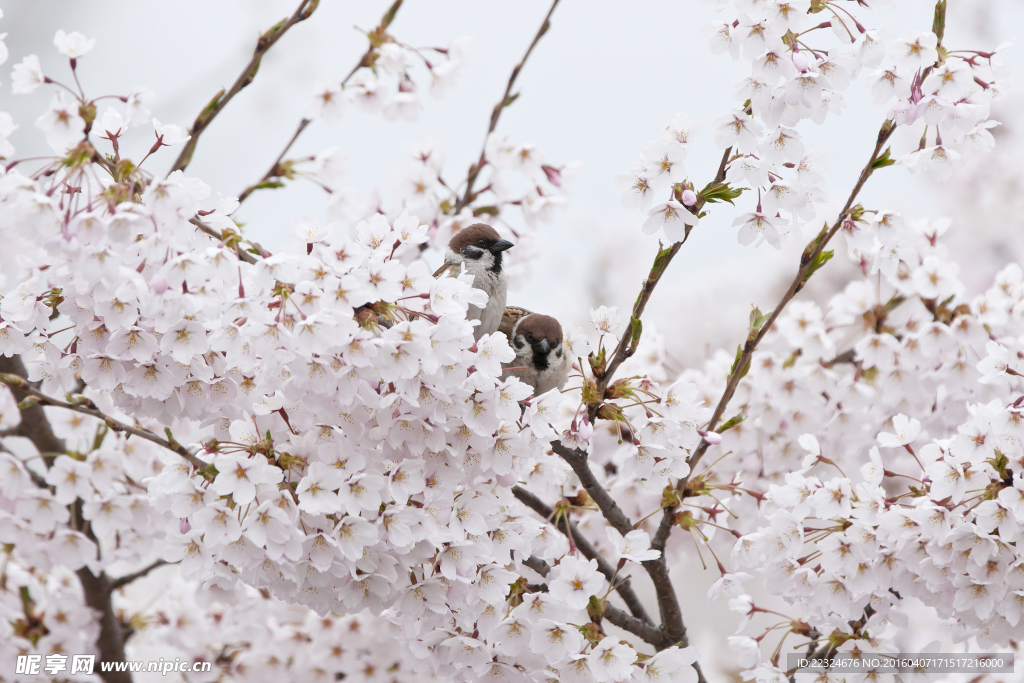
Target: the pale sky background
pixel 604 80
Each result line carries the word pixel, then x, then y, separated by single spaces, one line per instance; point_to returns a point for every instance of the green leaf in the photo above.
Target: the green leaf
pixel 208 110
pixel 269 185
pixel 819 261
pixel 489 210
pixel 720 192
pixel 661 262
pixel 389 16
pixel 510 99
pixel 736 362
pixel 939 22
pixel 730 423
pixel 884 160
pixel 757 318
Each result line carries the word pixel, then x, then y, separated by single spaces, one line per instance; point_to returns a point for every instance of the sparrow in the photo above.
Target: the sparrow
pixel 480 247
pixel 537 342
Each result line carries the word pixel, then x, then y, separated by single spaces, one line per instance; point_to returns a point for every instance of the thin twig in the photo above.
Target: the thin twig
pixel 87 407
pixel 221 99
pixel 243 255
pixel 624 589
pixel 627 345
pixel 506 100
pixel 128 578
pixel 276 170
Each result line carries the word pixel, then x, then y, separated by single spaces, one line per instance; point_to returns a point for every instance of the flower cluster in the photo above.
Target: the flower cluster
pixel 798 71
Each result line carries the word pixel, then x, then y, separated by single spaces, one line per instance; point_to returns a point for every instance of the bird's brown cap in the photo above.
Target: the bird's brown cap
pixel 470 234
pixel 541 327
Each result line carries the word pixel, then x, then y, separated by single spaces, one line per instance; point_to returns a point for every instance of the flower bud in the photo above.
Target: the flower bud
pixel 158 284
pixel 712 438
pixel 800 62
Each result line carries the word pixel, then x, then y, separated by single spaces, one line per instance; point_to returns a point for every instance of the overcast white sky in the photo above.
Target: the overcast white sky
pixel 606 78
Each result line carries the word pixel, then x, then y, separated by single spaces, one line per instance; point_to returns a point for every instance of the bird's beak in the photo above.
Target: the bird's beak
pixel 501 245
pixel 544 346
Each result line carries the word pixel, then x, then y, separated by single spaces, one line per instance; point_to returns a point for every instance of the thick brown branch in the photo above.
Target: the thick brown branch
pixel 505 101
pixel 221 99
pixel 87 407
pixel 672 628
pixel 538 565
pixel 97 590
pixel 276 170
pixel 33 426
pixel 128 578
pixel 577 460
pixel 638 627
pixel 625 589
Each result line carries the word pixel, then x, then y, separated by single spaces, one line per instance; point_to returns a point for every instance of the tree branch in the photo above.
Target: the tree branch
pixel 577 460
pixel 33 426
pixel 538 565
pixel 278 171
pixel 221 99
pixel 625 589
pixel 243 255
pixel 110 643
pixel 122 581
pixel 96 589
pixel 672 628
pixel 506 100
pixel 638 627
pixel 645 630
pixel 87 407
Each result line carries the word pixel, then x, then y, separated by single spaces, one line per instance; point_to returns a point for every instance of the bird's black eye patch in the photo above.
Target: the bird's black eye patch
pixel 518 342
pixel 472 253
pixel 558 353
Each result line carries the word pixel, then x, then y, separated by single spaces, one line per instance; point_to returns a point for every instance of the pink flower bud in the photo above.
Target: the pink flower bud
pixel 689 197
pixel 183 525
pixel 553 174
pixel 712 438
pixel 800 62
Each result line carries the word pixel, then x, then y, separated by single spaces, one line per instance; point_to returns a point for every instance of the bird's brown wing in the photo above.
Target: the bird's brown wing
pixel 451 268
pixel 510 317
